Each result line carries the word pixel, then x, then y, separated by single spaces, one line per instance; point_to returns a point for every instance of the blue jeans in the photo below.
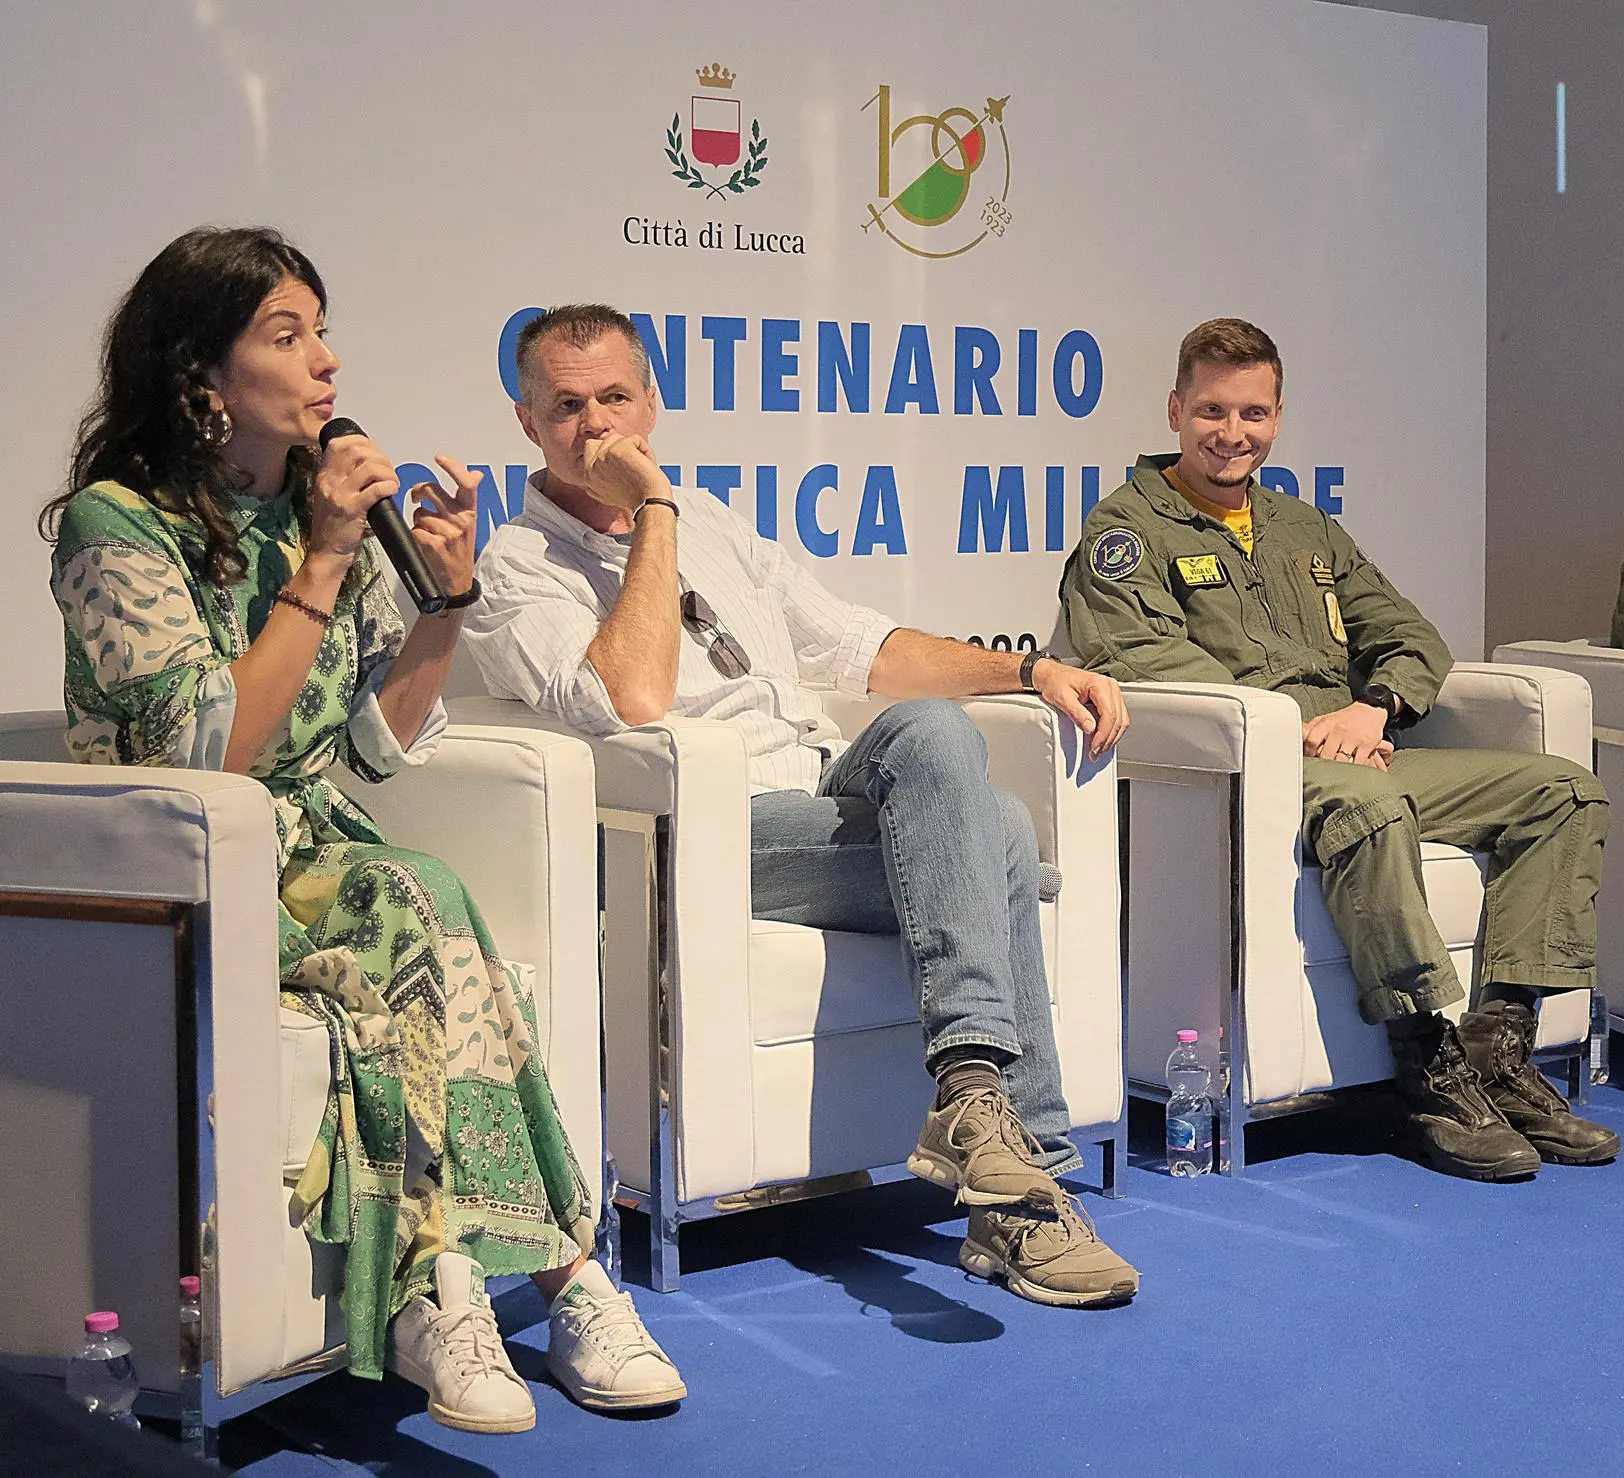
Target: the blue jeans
pixel 905 836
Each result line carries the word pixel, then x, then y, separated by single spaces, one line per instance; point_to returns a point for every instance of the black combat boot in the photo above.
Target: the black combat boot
pixel 1452 1123
pixel 1499 1043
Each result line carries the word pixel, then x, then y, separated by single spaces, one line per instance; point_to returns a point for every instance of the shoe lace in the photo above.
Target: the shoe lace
pixel 1050 1237
pixel 471 1339
pixel 1452 1071
pixel 613 1326
pixel 1513 1061
pixel 994 1117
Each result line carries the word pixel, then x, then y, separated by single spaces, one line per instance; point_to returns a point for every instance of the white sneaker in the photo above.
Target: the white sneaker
pixel 601 1354
pixel 454 1352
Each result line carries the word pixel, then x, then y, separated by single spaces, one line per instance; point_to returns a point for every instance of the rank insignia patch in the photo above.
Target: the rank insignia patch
pixel 1333 618
pixel 1322 575
pixel 1196 570
pixel 1116 554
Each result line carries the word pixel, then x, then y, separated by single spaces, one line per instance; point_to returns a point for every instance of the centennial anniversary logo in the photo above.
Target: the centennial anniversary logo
pixel 936 158
pixel 716 137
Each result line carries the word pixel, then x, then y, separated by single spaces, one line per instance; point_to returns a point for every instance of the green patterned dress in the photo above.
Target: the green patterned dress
pixel 441 1131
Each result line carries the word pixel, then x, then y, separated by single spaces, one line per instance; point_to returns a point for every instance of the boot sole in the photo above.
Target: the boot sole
pixel 982 1262
pixel 1514 1167
pixel 1557 1155
pixel 946 1174
pixel 597 1400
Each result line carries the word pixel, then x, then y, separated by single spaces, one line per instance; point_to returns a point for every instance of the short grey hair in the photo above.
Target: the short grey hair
pixel 579 325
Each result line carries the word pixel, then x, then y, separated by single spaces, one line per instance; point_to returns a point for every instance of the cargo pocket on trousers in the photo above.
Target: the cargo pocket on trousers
pixel 1571 930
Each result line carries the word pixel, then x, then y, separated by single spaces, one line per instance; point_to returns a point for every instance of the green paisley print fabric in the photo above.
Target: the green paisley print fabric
pixel 441 1130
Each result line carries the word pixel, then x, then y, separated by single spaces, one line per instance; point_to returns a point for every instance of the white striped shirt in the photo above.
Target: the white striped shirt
pixel 549 582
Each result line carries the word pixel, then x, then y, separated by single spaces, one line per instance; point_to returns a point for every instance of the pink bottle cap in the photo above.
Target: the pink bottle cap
pixel 1189 1036
pixel 102 1323
pixel 191 1287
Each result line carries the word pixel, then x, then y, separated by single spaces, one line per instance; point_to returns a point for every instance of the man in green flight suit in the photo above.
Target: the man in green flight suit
pixel 1193 571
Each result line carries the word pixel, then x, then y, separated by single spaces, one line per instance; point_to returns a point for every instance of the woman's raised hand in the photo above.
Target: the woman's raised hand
pixel 444 525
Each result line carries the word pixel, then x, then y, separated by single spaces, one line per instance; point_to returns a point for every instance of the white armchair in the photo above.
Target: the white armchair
pixel 1227 927
pixel 138 914
pixel 1601 666
pixel 744 1055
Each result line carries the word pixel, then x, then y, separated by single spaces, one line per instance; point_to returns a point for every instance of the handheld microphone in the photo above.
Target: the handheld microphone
pixel 393 535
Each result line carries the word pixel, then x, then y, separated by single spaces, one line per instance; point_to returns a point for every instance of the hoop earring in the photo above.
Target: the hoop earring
pixel 217 428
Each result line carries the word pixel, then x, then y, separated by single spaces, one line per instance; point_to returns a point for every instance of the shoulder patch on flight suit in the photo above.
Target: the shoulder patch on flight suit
pixel 1116 554
pixel 1333 618
pixel 1321 573
pixel 1196 570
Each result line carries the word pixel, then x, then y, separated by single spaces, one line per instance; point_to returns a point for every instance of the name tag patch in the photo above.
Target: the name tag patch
pixel 1196 570
pixel 1116 554
pixel 1321 573
pixel 1333 618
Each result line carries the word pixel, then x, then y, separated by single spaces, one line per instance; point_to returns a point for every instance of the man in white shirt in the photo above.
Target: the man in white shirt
pixel 598 611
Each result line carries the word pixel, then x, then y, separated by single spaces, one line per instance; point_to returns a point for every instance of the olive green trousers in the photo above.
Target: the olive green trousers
pixel 1541 819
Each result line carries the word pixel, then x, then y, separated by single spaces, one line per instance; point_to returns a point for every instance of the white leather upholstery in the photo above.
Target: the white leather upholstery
pixel 1528 709
pixel 511 811
pixel 813 982
pixel 796 1051
pixel 306 1075
pixel 1193 752
pixel 1602 667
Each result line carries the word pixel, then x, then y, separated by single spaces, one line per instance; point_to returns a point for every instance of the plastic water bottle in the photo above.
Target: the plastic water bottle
pixel 191 1365
pixel 1220 1093
pixel 1601 1035
pixel 101 1377
pixel 1189 1109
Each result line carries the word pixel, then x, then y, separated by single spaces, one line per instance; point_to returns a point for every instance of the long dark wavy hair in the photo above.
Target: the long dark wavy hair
pixel 146 426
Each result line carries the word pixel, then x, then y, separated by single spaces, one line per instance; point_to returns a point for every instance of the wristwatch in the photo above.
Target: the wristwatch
pixel 1379 695
pixel 1028 662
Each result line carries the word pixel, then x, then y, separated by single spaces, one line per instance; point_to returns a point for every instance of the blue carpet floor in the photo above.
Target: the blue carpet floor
pixel 1337 1310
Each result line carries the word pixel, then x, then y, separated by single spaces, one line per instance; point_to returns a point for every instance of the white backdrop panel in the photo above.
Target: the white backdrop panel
pixel 1317 168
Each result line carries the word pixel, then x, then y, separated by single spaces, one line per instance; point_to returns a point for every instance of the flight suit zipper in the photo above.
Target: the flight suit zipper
pixel 1240 549
pixel 1262 590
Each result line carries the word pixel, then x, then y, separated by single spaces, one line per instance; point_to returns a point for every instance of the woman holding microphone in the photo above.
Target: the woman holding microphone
pixel 223 609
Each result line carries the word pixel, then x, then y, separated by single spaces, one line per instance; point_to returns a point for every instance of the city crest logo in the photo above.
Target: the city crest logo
pixel 930 167
pixel 716 136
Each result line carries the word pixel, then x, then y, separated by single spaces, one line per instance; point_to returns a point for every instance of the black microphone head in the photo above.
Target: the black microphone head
pixel 339 426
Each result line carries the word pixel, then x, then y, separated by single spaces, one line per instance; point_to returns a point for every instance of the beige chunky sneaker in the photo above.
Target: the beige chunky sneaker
pixel 454 1352
pixel 976 1145
pixel 601 1354
pixel 1060 1261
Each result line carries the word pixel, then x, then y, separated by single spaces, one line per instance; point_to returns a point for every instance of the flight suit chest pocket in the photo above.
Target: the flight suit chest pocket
pixel 1313 587
pixel 1207 587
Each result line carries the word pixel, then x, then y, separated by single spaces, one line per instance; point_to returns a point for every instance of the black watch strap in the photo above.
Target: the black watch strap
pixel 1379 695
pixel 1028 662
pixel 459 602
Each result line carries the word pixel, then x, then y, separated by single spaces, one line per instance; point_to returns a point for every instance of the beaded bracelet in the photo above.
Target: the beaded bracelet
pixel 322 618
